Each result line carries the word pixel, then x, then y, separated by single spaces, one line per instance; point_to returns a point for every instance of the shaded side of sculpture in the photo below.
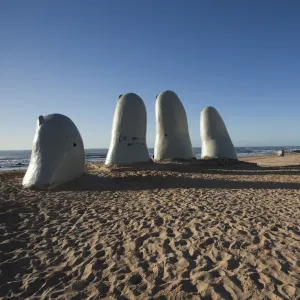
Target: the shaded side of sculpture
pixel 216 142
pixel 128 139
pixel 172 133
pixel 57 153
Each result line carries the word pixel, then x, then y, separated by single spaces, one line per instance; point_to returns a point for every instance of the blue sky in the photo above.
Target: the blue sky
pixel 76 57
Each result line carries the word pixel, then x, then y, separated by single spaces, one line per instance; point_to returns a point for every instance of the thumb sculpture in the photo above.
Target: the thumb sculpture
pixel 172 132
pixel 57 154
pixel 128 139
pixel 216 142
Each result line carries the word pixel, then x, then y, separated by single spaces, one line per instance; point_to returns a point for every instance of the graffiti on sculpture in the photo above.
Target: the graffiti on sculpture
pixel 132 140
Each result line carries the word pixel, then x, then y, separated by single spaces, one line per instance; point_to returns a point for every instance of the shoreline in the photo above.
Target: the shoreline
pixel 261 159
pixel 246 158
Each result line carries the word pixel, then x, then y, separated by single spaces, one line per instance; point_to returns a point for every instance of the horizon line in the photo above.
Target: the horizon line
pixel 153 148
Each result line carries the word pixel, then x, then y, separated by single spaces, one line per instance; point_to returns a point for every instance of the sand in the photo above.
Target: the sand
pixel 274 160
pixel 155 232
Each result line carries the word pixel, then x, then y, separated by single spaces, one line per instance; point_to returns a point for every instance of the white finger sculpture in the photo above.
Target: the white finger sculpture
pixel 128 139
pixel 216 142
pixel 172 132
pixel 57 154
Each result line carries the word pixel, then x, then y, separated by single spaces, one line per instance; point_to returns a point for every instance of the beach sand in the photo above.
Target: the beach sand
pixel 160 231
pixel 274 160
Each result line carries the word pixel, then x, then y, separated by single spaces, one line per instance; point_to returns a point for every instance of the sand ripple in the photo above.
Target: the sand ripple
pixel 225 234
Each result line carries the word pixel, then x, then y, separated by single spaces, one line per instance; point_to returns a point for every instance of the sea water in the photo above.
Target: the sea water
pixel 15 159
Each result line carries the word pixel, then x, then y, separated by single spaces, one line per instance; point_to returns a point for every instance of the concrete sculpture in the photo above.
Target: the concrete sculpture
pixel 128 139
pixel 215 139
pixel 57 154
pixel 172 132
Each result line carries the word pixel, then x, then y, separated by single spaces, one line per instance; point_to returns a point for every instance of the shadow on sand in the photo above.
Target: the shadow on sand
pixel 89 182
pixel 243 168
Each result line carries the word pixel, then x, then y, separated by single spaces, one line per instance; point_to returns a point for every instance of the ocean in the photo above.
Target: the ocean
pixel 15 159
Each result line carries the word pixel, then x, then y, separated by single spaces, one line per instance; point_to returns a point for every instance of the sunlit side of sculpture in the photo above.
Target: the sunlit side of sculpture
pixel 216 142
pixel 128 139
pixel 172 132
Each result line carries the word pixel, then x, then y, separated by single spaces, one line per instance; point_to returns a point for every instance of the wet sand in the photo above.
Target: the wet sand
pixel 155 232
